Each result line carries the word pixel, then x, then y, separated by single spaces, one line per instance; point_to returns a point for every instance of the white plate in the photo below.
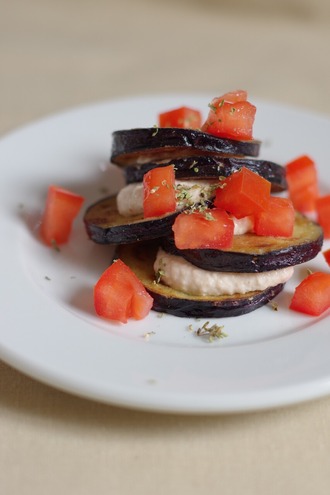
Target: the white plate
pixel 48 326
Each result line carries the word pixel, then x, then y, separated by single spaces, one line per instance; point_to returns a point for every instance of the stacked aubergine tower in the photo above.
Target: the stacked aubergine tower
pixel 197 156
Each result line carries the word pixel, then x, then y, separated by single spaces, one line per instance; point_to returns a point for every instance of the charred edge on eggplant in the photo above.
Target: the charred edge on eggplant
pixel 145 145
pixel 251 253
pixel 104 225
pixel 140 258
pixel 208 167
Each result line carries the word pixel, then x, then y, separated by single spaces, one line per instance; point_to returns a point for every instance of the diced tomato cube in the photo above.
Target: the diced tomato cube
pixel 231 97
pixel 326 255
pixel 243 193
pixel 119 294
pixel 323 214
pixel 231 116
pixel 301 175
pixel 312 295
pixel 301 172
pixel 183 117
pixel 159 191
pixel 277 219
pixel 209 229
pixel 304 199
pixel 62 207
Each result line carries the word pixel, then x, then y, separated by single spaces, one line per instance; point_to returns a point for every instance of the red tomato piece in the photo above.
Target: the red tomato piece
pixel 159 192
pixel 301 172
pixel 183 117
pixel 231 97
pixel 301 175
pixel 119 294
pixel 323 214
pixel 243 193
pixel 277 219
pixel 231 116
pixel 326 255
pixel 210 229
pixel 62 207
pixel 312 295
pixel 304 200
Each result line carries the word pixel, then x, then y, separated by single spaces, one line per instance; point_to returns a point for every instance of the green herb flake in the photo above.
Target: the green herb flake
pixel 274 306
pixel 158 276
pixel 208 215
pixel 55 246
pixel 211 332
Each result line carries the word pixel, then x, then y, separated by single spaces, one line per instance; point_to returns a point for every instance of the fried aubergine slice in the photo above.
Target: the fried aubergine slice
pixel 209 167
pixel 105 225
pixel 140 258
pixel 251 253
pixel 152 144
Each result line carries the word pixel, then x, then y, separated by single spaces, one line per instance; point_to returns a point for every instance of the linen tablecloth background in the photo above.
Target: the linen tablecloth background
pixel 56 54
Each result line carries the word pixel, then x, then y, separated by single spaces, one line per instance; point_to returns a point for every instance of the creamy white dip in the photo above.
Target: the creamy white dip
pixel 130 200
pixel 130 197
pixel 179 274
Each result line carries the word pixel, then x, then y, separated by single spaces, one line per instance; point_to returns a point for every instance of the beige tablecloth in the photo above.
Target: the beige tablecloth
pixel 56 54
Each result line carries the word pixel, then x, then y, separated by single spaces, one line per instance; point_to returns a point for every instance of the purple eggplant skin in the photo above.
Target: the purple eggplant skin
pixel 104 225
pixel 209 167
pixel 251 253
pixel 140 258
pixel 147 144
pixel 221 308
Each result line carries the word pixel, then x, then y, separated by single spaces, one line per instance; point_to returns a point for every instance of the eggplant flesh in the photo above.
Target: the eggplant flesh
pixel 251 253
pixel 140 258
pixel 148 144
pixel 105 225
pixel 209 167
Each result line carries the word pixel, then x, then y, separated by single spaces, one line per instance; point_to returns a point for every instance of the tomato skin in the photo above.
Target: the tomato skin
pixel 277 219
pixel 304 199
pixel 312 295
pixel 159 192
pixel 231 97
pixel 301 172
pixel 323 214
pixel 183 117
pixel 120 295
pixel 231 116
pixel 62 207
pixel 243 193
pixel 326 255
pixel 301 175
pixel 210 229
